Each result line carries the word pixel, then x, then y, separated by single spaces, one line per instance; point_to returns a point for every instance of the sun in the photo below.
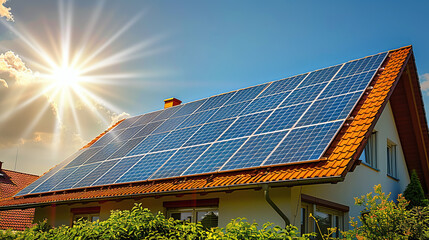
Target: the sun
pixel 65 77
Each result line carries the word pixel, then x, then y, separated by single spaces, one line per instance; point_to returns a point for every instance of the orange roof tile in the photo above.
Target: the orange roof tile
pixel 340 160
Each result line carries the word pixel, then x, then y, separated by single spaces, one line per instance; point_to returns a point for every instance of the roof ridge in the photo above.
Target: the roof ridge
pixel 31 174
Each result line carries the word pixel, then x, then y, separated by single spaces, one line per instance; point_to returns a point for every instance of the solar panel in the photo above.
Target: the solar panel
pixel 245 125
pixel 286 121
pixel 304 144
pixel 126 148
pixel 330 109
pixel 283 85
pixel 254 151
pixel 198 118
pixel 283 118
pixel 116 171
pixel 209 132
pixel 143 169
pixel 265 103
pixel 95 174
pixel 78 174
pixel 214 157
pixel 216 101
pixel 179 162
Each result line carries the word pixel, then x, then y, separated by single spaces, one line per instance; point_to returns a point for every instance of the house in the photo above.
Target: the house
pixel 11 182
pixel 273 152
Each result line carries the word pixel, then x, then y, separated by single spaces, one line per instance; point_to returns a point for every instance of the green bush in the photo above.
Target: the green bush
pixel 384 219
pixel 414 192
pixel 140 223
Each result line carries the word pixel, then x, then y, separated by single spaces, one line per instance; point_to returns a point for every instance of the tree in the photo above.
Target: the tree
pixel 414 192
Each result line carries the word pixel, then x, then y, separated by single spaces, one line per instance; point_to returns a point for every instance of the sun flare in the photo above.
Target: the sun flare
pixel 65 77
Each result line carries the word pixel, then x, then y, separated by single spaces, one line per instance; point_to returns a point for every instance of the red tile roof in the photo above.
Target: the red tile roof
pixel 12 182
pixel 339 159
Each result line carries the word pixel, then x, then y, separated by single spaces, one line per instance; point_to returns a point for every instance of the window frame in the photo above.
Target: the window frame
pixel 392 159
pixel 85 212
pixel 310 204
pixel 370 151
pixel 194 206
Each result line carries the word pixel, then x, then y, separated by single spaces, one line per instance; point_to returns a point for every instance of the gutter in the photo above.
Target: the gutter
pixel 284 183
pixel 273 205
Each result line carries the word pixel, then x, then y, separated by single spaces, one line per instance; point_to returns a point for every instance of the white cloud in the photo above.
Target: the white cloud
pixel 14 69
pixel 424 82
pixel 5 11
pixel 117 117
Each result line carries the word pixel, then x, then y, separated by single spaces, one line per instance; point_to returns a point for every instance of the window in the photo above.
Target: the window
pixel 91 214
pixel 207 216
pixel 328 215
pixel 205 211
pixel 391 159
pixel 369 154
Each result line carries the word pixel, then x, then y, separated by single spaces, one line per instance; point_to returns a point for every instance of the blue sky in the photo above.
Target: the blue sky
pixel 203 48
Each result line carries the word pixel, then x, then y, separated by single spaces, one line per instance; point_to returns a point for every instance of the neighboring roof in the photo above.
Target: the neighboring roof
pixel 340 158
pixel 12 182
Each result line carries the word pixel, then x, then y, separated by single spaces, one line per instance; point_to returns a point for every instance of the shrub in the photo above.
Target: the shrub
pixel 140 223
pixel 414 192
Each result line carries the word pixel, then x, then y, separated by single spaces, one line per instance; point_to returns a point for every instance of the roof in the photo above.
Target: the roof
pixel 340 157
pixel 10 183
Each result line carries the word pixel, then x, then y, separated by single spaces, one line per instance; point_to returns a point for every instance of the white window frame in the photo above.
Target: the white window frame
pixel 392 160
pixel 370 151
pixel 90 217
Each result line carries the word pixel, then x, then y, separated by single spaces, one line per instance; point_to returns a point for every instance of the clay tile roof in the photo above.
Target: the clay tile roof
pixel 340 158
pixel 12 182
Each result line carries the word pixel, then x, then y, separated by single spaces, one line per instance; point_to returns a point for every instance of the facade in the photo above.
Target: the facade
pixel 381 139
pixel 11 182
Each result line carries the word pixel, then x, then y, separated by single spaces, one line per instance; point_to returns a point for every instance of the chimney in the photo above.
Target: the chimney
pixel 170 102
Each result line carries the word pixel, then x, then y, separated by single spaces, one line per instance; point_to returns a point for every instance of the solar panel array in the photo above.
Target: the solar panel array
pixel 286 121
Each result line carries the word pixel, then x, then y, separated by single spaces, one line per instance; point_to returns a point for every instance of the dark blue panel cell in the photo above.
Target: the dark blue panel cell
pixel 216 101
pixel 307 143
pixel 75 177
pixel 116 171
pixel 105 152
pixel 361 65
pixel 348 84
pixel 198 118
pixel 147 144
pixel 330 109
pixel 166 113
pixel 178 163
pixel 215 157
pixel 94 175
pixel 320 76
pixel 48 174
pixel 306 94
pixel 170 124
pixel 148 129
pixel 127 122
pixel 54 180
pixel 209 132
pixel 265 103
pixel 83 157
pixel 283 85
pixel 254 151
pixel 283 118
pixel 107 138
pixel 146 167
pixel 245 125
pixel 175 139
pixel 146 118
pixel 188 108
pixel 128 133
pixel 246 94
pixel 229 111
pixel 126 148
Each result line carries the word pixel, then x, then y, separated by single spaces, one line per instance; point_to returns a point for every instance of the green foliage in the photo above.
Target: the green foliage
pixel 384 219
pixel 414 192
pixel 140 223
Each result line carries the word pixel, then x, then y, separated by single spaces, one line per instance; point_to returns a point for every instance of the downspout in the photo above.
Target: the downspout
pixel 273 205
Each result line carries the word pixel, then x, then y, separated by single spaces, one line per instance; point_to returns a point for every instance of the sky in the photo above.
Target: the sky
pixel 70 69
